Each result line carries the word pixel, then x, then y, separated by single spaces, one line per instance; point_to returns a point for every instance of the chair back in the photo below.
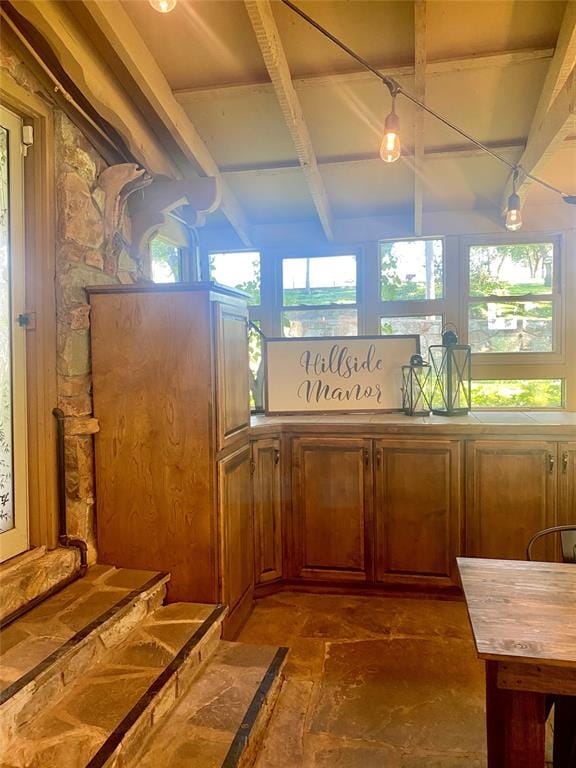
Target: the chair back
pixel 567 537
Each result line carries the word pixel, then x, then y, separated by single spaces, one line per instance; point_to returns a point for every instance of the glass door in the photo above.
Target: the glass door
pixel 13 448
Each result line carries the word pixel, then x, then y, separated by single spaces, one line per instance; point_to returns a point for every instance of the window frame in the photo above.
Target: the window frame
pixel 453 307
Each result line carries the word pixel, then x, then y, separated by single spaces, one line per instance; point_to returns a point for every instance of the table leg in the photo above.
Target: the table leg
pixel 515 725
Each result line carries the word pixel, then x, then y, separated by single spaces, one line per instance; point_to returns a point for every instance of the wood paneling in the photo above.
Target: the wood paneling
pixel 511 494
pixel 332 508
pixel 154 481
pixel 232 378
pixel 237 535
pixel 418 507
pixel 267 507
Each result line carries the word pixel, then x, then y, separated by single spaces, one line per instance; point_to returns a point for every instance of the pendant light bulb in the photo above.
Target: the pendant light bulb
pixel 163 6
pixel 390 147
pixel 513 215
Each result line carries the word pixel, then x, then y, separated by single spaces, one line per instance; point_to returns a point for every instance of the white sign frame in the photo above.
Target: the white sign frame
pixel 336 374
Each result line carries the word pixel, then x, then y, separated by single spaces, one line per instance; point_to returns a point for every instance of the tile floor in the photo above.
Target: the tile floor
pixel 372 683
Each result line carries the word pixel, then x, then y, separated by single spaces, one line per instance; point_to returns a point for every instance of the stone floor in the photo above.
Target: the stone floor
pixel 372 683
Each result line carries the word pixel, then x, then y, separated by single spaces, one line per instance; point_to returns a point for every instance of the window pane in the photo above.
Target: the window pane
pixel 411 269
pixel 6 447
pixel 517 393
pixel 238 269
pixel 256 367
pixel 428 327
pixel 515 326
pixel 320 280
pixel 320 322
pixel 511 270
pixel 165 261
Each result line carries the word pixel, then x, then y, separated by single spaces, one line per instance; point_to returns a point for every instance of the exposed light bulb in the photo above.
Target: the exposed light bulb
pixel 513 215
pixel 163 6
pixel 390 147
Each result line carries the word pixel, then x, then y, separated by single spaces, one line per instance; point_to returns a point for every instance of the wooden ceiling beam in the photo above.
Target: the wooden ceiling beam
pixel 130 49
pixel 554 116
pixel 304 82
pixel 451 152
pixel 266 31
pixel 420 54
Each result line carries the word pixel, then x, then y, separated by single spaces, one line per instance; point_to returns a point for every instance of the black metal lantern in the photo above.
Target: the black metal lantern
pixel 450 376
pixel 416 387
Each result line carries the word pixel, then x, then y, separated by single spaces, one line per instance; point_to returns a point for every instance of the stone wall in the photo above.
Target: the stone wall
pixel 83 257
pixel 80 261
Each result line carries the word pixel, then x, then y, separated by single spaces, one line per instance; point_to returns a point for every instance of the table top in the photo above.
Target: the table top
pixel 521 611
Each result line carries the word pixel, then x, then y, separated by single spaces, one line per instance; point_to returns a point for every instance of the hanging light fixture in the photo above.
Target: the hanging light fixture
pixel 391 125
pixel 163 6
pixel 390 147
pixel 513 215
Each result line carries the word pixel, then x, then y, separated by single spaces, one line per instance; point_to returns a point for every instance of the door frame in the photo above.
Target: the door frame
pixel 40 259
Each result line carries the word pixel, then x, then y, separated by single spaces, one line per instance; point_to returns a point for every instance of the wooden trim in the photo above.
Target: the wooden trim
pixel 304 82
pixel 266 31
pixel 40 298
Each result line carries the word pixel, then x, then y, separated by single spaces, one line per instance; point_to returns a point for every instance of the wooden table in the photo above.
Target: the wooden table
pixel 523 617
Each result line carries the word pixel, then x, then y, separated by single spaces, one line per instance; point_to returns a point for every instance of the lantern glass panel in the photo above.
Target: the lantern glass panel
pixel 416 390
pixel 450 379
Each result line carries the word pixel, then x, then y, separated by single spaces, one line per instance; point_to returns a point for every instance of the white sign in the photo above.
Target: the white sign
pixel 350 373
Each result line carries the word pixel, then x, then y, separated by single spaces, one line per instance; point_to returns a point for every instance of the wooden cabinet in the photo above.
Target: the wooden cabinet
pixel 511 494
pixel 169 366
pixel 267 509
pixel 331 523
pixel 232 375
pixel 567 484
pixel 418 515
pixel 236 534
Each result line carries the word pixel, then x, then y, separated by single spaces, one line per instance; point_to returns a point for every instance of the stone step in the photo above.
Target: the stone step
pixel 108 712
pixel 44 651
pixel 220 721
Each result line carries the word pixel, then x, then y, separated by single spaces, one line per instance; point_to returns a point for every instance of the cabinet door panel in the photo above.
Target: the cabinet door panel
pixel 267 500
pixel 567 507
pixel 232 385
pixel 332 501
pixel 237 537
pixel 510 495
pixel 418 507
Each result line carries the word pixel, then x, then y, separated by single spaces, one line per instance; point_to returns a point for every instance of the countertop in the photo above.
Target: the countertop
pixel 561 424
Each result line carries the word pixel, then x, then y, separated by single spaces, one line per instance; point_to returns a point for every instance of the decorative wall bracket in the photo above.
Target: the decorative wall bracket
pixel 118 182
pixel 150 207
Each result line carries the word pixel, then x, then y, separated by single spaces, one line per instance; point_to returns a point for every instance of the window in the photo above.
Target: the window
pixel 428 327
pixel 513 313
pixel 411 270
pixel 314 291
pixel 238 269
pixel 511 306
pixel 13 416
pixel 166 261
pixel 518 393
pixel 504 297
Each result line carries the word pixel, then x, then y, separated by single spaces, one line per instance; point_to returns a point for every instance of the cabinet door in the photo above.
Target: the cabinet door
pixel 236 532
pixel 511 494
pixel 332 508
pixel 418 509
pixel 567 506
pixel 232 373
pixel 267 502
